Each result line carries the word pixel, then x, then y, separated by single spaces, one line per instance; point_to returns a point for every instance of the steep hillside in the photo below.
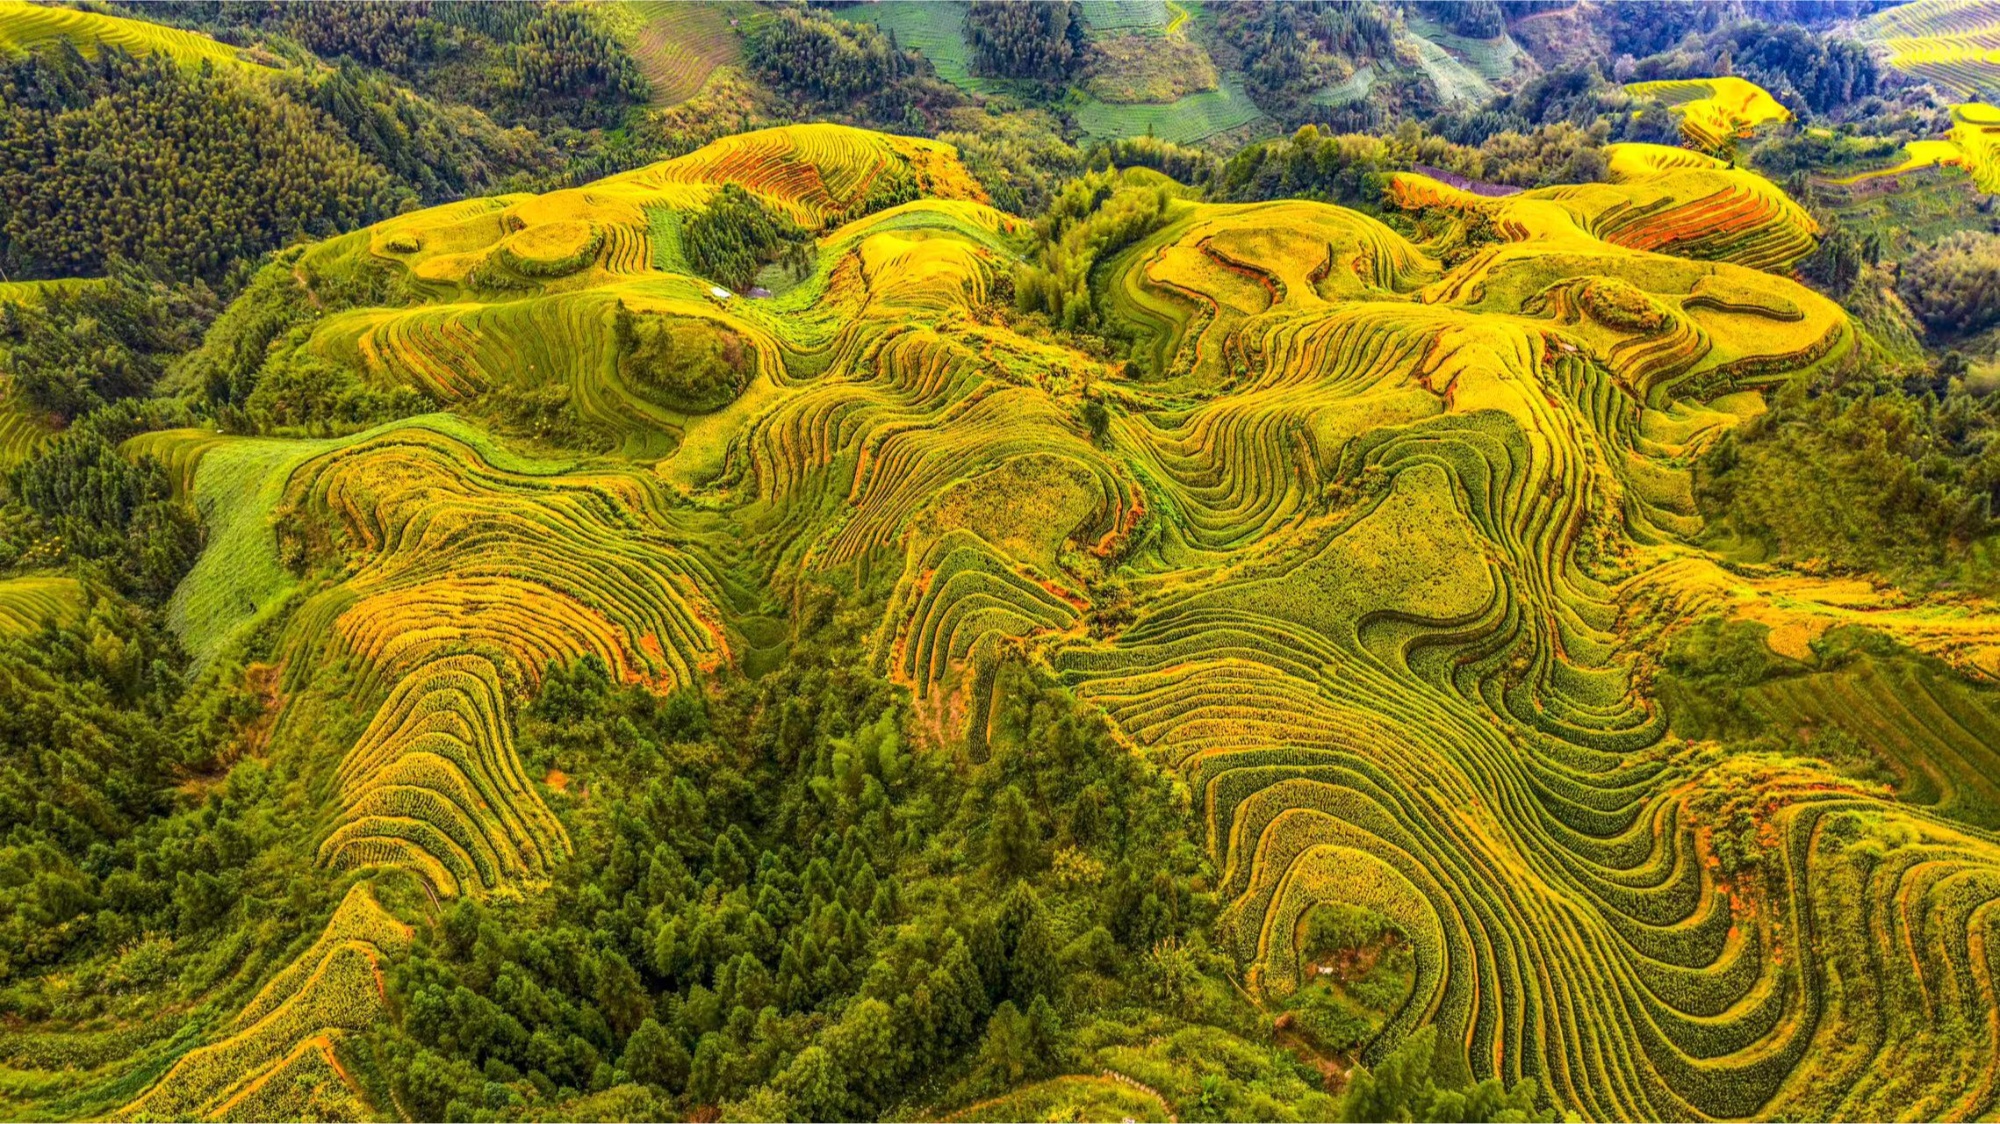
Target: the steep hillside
pixel 1951 44
pixel 24 26
pixel 1377 546
pixel 1714 112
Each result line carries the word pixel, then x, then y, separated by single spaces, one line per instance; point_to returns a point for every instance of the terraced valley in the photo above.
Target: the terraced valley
pixel 770 633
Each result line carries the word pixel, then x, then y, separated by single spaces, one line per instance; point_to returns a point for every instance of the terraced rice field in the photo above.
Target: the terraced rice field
pixel 1399 545
pixel 24 25
pixel 29 602
pixel 239 580
pixel 21 429
pixel 278 1051
pixel 1714 111
pixel 1973 144
pixel 1975 131
pixel 678 46
pixel 1116 17
pixel 1954 43
pixel 1186 121
pixel 1353 89
pixel 1492 59
pixel 1456 82
pixel 29 291
pixel 934 28
pixel 1916 155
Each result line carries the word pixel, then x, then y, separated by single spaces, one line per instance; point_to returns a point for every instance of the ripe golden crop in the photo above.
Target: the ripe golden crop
pixel 1357 556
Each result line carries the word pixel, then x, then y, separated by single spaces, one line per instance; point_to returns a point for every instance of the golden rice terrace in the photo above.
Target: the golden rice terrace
pixel 1378 554
pixel 749 561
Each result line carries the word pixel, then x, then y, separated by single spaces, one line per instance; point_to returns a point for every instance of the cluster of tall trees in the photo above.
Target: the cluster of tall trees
pixel 567 60
pixel 779 906
pixel 440 150
pixel 1042 42
pixel 1863 476
pixel 846 68
pixel 1474 19
pixel 1352 169
pixel 736 235
pixel 399 38
pixel 1094 217
pixel 686 364
pixel 97 851
pixel 75 347
pixel 1192 166
pixel 549 65
pixel 81 504
pixel 778 909
pixel 1799 66
pixel 1020 157
pixel 1347 168
pixel 136 158
pixel 192 172
pixel 1643 29
pixel 100 719
pixel 1954 284
pixel 254 370
pixel 1290 51
pixel 1576 95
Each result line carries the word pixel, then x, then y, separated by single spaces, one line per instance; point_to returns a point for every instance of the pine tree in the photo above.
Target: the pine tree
pixel 654 1057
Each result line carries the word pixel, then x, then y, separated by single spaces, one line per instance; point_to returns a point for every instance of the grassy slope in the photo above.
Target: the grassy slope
pixel 1186 121
pixel 1374 604
pixel 24 25
pixel 1950 42
pixel 1122 16
pixel 933 28
pixel 29 601
pixel 1492 59
pixel 936 30
pixel 238 484
pixel 679 45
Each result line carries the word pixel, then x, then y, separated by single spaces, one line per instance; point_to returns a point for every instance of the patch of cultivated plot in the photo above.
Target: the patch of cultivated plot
pixel 1102 16
pixel 678 45
pixel 1714 111
pixel 1492 59
pixel 1185 121
pixel 933 28
pixel 1357 561
pixel 21 430
pixel 24 25
pixel 31 601
pixel 1955 43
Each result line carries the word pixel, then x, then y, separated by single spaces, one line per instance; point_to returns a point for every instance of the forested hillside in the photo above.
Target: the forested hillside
pixel 968 561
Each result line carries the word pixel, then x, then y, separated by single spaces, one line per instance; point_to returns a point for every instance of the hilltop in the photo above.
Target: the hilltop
pixel 1188 560
pixel 1378 543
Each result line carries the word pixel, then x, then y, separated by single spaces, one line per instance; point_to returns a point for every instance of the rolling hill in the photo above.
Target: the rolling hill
pixel 1378 551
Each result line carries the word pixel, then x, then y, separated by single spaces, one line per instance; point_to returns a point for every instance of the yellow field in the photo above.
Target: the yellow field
pixel 1715 112
pixel 29 602
pixel 1397 531
pixel 21 429
pixel 1976 131
pixel 678 46
pixel 25 25
pixel 277 1057
pixel 1973 144
pixel 1954 43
